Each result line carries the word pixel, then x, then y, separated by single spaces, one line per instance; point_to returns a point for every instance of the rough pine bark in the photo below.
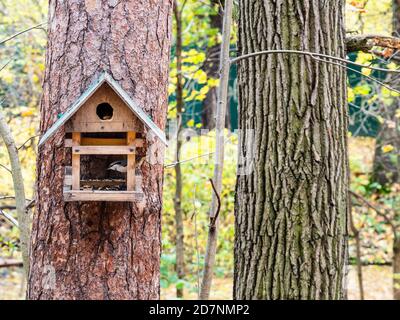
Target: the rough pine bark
pixel 100 250
pixel 292 207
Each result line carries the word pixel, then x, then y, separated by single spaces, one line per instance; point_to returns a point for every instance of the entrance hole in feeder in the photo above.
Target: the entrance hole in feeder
pixel 104 111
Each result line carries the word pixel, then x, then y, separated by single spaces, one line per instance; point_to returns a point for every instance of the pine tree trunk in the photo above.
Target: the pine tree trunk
pixel 292 207
pixel 100 250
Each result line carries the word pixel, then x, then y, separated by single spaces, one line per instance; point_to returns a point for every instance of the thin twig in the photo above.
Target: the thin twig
pixel 12 197
pixel 375 80
pixel 5 65
pixel 9 218
pixel 30 139
pixel 194 218
pixel 171 165
pixel 30 204
pixel 373 207
pixel 21 32
pixel 194 158
pixel 356 233
pixel 213 219
pixel 5 168
pixel 8 207
pixel 313 55
pixel 10 263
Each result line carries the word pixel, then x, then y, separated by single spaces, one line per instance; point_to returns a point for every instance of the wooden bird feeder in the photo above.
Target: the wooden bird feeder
pixel 104 125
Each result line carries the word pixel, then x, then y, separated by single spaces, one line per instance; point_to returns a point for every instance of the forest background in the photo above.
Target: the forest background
pixel 22 68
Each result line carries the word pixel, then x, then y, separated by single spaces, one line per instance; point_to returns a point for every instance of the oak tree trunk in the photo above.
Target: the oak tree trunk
pixel 100 250
pixel 292 207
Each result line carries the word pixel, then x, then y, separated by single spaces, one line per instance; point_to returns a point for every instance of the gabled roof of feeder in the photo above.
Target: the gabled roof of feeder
pixel 132 104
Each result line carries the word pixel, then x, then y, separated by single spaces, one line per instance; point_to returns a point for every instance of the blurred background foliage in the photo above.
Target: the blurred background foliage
pixel 20 89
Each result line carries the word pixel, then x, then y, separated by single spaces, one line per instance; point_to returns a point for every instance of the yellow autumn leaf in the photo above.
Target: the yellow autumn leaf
pixel 27 113
pixel 350 95
pixel 212 82
pixel 364 58
pixel 171 89
pixel 388 148
pixel 204 90
pixel 190 123
pixel 7 76
pixel 366 71
pixel 200 76
pixel 200 97
pixel 35 78
pixel 380 119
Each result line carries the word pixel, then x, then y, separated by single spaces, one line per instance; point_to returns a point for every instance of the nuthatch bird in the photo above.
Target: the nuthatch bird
pixel 119 166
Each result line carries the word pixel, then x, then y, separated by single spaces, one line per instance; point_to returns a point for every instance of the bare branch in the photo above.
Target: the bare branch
pixel 214 218
pixel 9 218
pixel 382 55
pixel 19 189
pixel 356 233
pixel 188 160
pixel 314 56
pixel 322 58
pixel 4 66
pixel 27 141
pixel 10 263
pixel 194 218
pixel 8 207
pixel 376 209
pixel 21 32
pixel 365 43
pixel 5 168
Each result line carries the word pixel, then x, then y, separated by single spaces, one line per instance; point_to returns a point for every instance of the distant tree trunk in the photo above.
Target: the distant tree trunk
pixel 386 165
pixel 100 250
pixel 356 235
pixel 292 208
pixel 179 242
pixel 396 268
pixel 211 68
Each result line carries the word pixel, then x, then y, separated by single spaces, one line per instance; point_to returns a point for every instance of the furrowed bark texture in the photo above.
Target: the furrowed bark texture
pixel 292 208
pixel 100 250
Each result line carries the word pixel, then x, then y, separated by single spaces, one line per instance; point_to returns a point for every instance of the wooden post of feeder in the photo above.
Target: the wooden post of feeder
pixel 130 172
pixel 76 162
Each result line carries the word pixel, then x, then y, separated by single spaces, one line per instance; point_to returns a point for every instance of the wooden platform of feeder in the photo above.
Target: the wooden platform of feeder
pixel 138 143
pixel 97 195
pixel 102 183
pixel 103 150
